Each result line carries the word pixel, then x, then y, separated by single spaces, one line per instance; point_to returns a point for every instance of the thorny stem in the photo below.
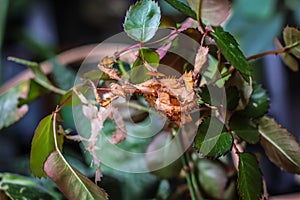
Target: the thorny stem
pixel 275 52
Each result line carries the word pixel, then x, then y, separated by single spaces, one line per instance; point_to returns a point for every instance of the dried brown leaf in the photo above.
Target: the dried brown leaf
pixel 201 59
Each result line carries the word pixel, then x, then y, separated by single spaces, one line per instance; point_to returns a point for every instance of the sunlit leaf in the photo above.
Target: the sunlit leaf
pixel 42 145
pixel 213 12
pixel 249 177
pixel 244 128
pixel 139 71
pixel 291 37
pixel 70 181
pixel 258 104
pixel 9 110
pixel 213 176
pixel 288 59
pixel 215 144
pixel 281 146
pixel 231 50
pixel 183 8
pixel 18 187
pixel 35 91
pixel 142 20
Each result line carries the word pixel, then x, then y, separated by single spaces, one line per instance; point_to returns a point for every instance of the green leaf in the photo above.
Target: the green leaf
pixel 142 20
pixel 280 146
pixel 249 177
pixel 291 37
pixel 214 145
pixel 258 104
pixel 9 110
pixel 232 96
pixel 42 145
pixel 95 75
pixel 64 77
pixel 213 176
pixel 231 50
pixel 183 8
pixel 244 128
pixel 212 95
pixel 287 58
pixel 244 88
pixel 36 69
pixel 35 91
pixel 39 75
pixel 18 187
pixel 70 181
pixel 3 12
pixel 138 70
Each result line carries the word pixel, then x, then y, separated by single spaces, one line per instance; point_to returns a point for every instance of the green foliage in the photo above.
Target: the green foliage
pixel 142 20
pixel 70 181
pixel 3 12
pixel 214 145
pixel 232 96
pixel 249 177
pixel 244 128
pixel 63 76
pixel 42 145
pixel 181 7
pixel 35 91
pixel 39 75
pixel 280 146
pixel 10 113
pixel 17 187
pixel 139 71
pixel 231 51
pixel 258 104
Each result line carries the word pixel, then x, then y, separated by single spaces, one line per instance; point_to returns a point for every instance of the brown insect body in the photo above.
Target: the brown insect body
pixel 172 97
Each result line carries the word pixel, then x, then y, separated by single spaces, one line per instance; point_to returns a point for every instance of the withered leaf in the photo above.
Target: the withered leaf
pixel 201 59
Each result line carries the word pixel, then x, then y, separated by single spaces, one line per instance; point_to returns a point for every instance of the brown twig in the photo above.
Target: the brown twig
pixel 64 58
pixel 273 52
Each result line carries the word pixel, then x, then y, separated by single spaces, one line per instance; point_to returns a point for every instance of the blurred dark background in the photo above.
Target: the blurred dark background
pixel 38 29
